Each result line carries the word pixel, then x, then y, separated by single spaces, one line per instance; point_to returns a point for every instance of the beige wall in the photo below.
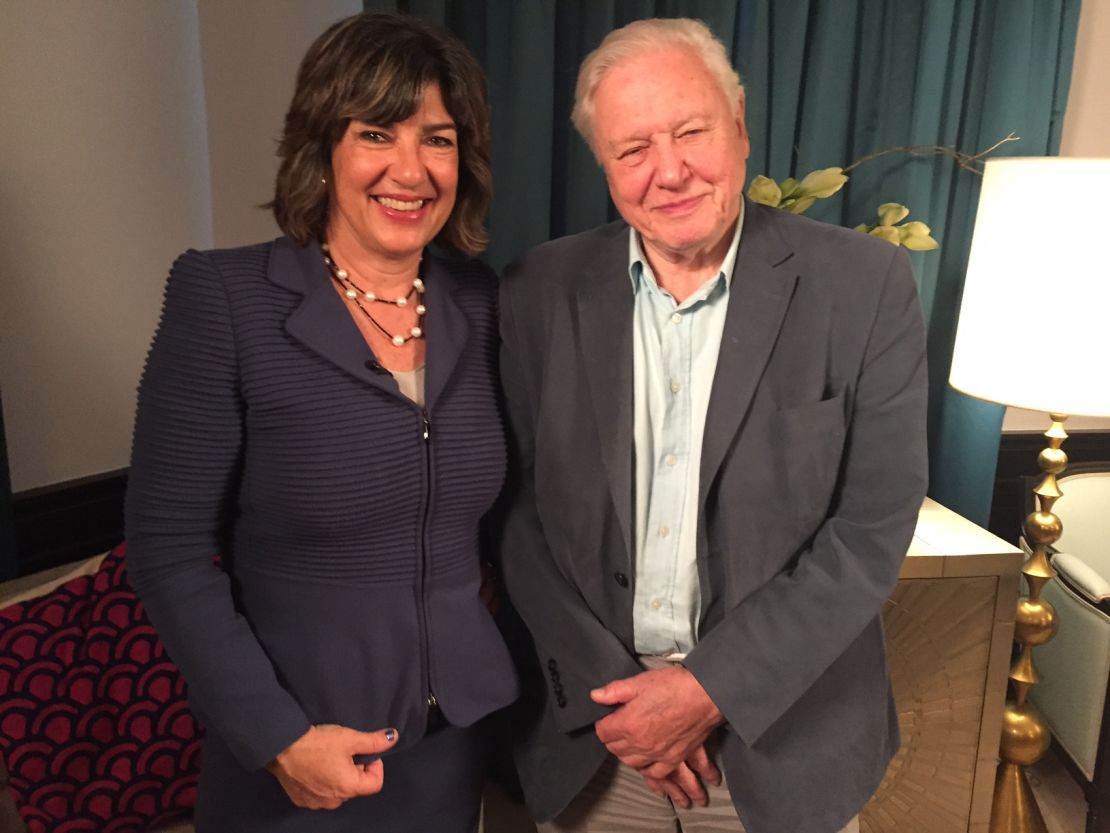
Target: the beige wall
pixel 104 179
pixel 131 130
pixel 250 50
pixel 1086 133
pixel 1087 120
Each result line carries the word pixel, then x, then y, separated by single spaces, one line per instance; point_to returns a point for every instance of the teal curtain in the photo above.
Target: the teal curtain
pixel 828 82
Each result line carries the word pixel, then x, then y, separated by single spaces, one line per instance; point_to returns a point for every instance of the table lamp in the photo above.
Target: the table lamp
pixel 1034 332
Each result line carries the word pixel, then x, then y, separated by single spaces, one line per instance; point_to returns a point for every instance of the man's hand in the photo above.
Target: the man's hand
pixel 684 787
pixel 662 719
pixel 317 771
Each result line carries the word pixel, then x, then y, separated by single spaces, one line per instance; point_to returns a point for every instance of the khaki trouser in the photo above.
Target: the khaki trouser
pixel 618 801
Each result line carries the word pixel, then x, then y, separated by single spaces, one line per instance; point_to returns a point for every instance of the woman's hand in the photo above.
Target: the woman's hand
pixel 317 771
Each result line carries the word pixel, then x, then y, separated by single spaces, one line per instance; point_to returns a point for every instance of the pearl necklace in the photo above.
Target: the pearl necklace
pixel 356 293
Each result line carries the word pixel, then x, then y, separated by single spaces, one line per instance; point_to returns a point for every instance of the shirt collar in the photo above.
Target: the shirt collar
pixel 639 270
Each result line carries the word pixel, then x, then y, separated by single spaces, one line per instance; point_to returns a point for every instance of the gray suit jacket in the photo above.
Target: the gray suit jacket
pixel 812 472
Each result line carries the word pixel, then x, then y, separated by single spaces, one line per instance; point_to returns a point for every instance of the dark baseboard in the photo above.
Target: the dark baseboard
pixel 66 522
pixel 1017 460
pixel 8 566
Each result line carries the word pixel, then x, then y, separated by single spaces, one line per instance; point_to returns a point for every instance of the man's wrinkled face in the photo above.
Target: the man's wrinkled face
pixel 674 150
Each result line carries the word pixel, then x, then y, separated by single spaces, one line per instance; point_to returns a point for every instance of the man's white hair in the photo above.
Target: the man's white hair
pixel 652 35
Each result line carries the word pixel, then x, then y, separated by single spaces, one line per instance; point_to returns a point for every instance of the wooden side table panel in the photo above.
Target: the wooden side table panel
pixel 939 634
pixel 949 626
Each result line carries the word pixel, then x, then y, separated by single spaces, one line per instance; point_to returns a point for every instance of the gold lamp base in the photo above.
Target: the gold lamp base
pixel 1025 735
pixel 1015 809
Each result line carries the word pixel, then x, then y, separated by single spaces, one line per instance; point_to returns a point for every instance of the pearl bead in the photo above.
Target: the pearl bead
pixel 398 341
pixel 418 285
pixel 370 296
pixel 342 273
pixel 352 294
pixel 416 332
pixel 402 302
pixel 420 309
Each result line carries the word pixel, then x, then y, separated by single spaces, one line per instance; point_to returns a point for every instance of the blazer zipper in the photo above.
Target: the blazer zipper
pixel 422 581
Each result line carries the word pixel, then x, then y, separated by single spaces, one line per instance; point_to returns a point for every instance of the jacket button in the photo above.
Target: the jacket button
pixel 621 578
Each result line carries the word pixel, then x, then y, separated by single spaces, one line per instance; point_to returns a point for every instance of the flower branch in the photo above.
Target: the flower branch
pixel 967 161
pixel 797 196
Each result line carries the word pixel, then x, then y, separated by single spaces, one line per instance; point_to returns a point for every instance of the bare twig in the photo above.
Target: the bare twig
pixel 967 161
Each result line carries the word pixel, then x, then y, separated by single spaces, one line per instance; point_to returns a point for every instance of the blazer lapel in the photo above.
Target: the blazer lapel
pixel 759 296
pixel 321 322
pixel 604 312
pixel 445 328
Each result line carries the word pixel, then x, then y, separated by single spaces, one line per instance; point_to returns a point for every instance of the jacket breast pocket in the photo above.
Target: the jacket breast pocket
pixel 811 445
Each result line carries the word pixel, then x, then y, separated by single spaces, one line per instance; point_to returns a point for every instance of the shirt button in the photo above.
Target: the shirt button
pixel 676 317
pixel 621 579
pixel 670 459
pixel 664 531
pixel 675 387
pixel 656 604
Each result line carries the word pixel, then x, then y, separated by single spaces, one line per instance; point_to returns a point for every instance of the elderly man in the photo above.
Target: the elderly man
pixel 716 412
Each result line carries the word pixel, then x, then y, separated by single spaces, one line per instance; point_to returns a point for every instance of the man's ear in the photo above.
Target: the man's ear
pixel 743 128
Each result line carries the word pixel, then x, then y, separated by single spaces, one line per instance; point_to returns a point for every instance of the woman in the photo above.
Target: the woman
pixel 321 411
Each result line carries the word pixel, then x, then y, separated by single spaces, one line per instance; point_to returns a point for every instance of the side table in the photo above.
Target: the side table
pixel 949 628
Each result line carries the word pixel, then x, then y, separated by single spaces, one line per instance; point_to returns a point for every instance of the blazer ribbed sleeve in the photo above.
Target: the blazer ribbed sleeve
pixel 188 445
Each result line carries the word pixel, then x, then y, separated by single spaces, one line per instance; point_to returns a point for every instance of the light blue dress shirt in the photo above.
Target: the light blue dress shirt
pixel 674 359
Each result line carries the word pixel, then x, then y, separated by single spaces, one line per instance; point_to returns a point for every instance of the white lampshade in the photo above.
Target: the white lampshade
pixel 1034 327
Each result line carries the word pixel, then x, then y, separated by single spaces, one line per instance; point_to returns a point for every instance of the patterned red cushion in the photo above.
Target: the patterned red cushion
pixel 93 721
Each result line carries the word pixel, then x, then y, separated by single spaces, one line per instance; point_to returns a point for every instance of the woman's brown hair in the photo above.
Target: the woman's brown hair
pixel 374 67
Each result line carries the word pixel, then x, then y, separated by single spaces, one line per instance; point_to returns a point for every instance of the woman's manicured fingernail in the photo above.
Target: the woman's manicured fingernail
pixel 391 735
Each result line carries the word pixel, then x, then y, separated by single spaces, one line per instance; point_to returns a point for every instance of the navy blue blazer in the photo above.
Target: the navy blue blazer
pixel 267 433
